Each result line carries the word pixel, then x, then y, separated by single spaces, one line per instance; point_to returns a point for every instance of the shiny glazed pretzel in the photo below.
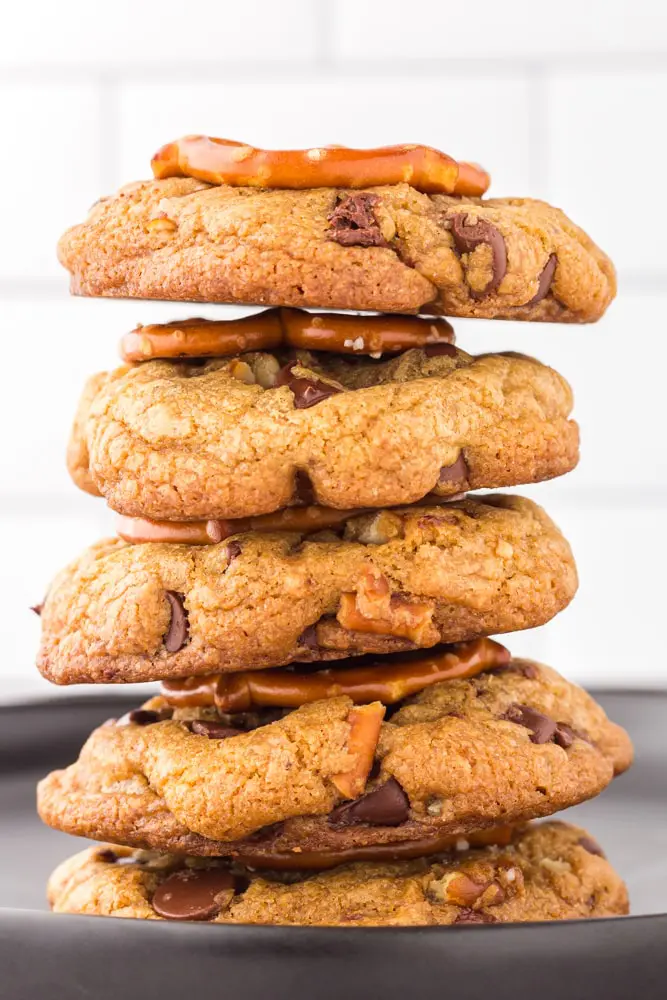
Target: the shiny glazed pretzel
pixel 272 328
pixel 387 682
pixel 224 161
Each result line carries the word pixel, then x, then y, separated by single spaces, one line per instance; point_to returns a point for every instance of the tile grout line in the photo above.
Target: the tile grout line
pixel 332 66
pixel 109 132
pixel 538 130
pixel 324 28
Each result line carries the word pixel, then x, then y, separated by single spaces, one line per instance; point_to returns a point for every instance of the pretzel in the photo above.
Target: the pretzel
pixel 375 609
pixel 386 681
pixel 303 520
pixel 306 860
pixel 224 161
pixel 365 722
pixel 345 334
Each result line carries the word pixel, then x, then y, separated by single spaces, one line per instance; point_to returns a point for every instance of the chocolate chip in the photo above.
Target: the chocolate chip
pixel 245 722
pixel 233 551
pixel 456 473
pixel 265 833
pixel 304 494
pixel 353 222
pixel 543 729
pixel 37 608
pixel 214 730
pixel 468 916
pixel 388 805
pixel 591 846
pixel 110 856
pixel 440 350
pixel 565 735
pixel 192 894
pixel 141 717
pixel 177 634
pixel 544 280
pixel 308 638
pixel 307 391
pixel 469 236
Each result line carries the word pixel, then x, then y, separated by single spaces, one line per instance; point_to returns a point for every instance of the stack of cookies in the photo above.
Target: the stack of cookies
pixel 300 562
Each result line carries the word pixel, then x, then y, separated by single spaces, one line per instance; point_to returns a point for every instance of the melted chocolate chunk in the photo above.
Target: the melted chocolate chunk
pixel 265 833
pixel 143 717
pixel 304 494
pixel 542 728
pixel 353 222
pixel 440 350
pixel 37 608
pixel 566 735
pixel 544 281
pixel 214 730
pixel 110 856
pixel 176 635
pixel 467 237
pixel 591 846
pixel 233 551
pixel 388 805
pixel 308 638
pixel 307 391
pixel 193 894
pixel 468 916
pixel 456 473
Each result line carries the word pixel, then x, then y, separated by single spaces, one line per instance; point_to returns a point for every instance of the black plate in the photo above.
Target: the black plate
pixel 68 957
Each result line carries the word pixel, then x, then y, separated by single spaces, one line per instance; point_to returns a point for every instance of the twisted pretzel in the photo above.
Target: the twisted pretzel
pixel 272 328
pixel 224 161
pixel 386 681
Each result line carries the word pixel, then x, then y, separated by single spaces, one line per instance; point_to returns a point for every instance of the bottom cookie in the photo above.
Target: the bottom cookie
pixel 550 871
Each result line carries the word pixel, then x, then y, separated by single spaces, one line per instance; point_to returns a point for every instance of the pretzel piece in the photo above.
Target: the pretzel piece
pixel 385 681
pixel 302 520
pixel 224 161
pixel 272 328
pixel 365 722
pixel 374 609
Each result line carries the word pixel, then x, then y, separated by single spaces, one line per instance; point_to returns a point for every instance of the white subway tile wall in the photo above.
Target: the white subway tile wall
pixel 562 107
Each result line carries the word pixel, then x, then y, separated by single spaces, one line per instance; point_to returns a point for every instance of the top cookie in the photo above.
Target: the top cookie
pixel 388 248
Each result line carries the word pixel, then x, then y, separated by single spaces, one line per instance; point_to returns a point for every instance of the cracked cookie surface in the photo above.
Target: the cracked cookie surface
pixel 176 441
pixel 503 747
pixel 553 871
pixel 182 239
pixel 395 580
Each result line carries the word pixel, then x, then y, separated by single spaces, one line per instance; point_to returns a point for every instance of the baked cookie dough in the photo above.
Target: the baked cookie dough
pixel 502 747
pixel 247 435
pixel 389 248
pixel 552 871
pixel 388 581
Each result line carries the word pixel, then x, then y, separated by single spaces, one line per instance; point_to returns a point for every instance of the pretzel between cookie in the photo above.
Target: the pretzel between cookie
pixel 224 161
pixel 387 682
pixel 272 328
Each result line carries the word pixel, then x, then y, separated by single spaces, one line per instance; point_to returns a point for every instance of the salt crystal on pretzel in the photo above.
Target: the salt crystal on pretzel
pixel 224 161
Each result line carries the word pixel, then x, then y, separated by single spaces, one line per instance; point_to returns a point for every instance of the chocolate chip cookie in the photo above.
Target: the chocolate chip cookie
pixel 387 581
pixel 552 871
pixel 390 248
pixel 500 747
pixel 247 435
